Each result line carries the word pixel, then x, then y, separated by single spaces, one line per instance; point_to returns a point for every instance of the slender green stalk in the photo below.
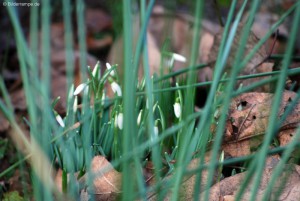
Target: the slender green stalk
pixel 272 128
pixel 229 89
pixel 81 37
pixel 244 184
pixel 68 36
pixel 129 104
pixel 287 152
pixel 23 54
pixel 148 84
pixel 184 151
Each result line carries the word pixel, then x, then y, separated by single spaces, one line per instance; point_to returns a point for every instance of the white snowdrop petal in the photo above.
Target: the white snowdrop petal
pixel 95 69
pixel 108 66
pixel 60 120
pixel 179 57
pixel 120 121
pixel 116 88
pixel 75 103
pixel 116 121
pixel 155 130
pixel 139 118
pixel 177 110
pixel 103 99
pixel 79 89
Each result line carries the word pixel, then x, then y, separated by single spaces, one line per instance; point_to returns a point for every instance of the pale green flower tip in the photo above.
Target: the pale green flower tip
pixel 179 57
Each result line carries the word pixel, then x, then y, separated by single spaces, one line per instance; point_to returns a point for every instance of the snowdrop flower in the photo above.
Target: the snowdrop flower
pixel 156 130
pixel 147 104
pixel 116 88
pixel 75 104
pixel 108 66
pixel 120 121
pixel 138 121
pixel 79 89
pixel 96 69
pixel 177 109
pixel 103 99
pixel 178 57
pixel 60 120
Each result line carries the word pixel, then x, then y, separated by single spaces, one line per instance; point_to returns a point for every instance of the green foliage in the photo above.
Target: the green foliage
pixel 14 195
pixel 225 3
pixel 138 124
pixel 3 147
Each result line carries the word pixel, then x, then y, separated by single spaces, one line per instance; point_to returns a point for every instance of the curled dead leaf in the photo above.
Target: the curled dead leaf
pixel 287 183
pixel 248 118
pixel 106 183
pixel 255 65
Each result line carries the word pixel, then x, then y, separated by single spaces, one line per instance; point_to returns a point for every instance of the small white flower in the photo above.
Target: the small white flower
pixel 103 99
pixel 120 121
pixel 147 104
pixel 75 104
pixel 108 66
pixel 79 89
pixel 156 130
pixel 139 118
pixel 96 68
pixel 60 120
pixel 179 57
pixel 116 88
pixel 177 109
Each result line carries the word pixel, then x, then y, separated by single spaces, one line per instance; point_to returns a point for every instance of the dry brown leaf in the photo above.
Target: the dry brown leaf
pixel 188 184
pixel 187 188
pixel 107 181
pixel 229 186
pixel 254 66
pixel 176 27
pixel 59 80
pixel 18 100
pixel 97 21
pixel 116 53
pixel 4 124
pixel 248 120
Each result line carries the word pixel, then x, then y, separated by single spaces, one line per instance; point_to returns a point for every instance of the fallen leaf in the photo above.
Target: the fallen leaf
pixel 255 65
pixel 116 54
pixel 188 183
pixel 58 76
pixel 288 180
pixel 177 27
pixel 4 124
pixel 97 20
pixel 107 181
pixel 248 118
pixel 18 100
